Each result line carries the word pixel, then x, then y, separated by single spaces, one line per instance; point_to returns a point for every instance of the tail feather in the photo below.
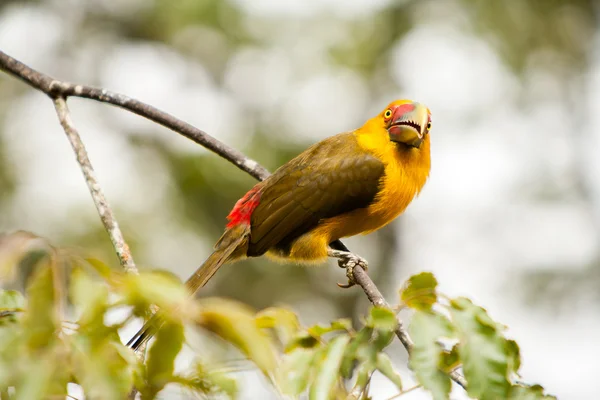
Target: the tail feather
pixel 233 239
pixel 208 269
pixel 146 332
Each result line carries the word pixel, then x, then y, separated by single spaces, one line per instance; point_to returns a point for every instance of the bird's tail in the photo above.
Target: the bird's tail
pixel 146 332
pixel 225 250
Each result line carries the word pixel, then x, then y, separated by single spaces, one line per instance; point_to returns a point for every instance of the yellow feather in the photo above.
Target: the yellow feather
pixel 406 171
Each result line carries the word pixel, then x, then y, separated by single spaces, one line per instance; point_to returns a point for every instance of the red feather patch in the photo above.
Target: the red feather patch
pixel 242 211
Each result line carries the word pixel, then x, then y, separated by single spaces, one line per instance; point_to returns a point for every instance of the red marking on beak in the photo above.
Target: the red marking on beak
pixel 401 110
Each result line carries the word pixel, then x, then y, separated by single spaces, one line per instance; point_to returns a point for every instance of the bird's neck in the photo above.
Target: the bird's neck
pixel 414 162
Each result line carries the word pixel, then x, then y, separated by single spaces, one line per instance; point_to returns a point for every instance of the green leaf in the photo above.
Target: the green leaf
pixel 303 340
pixel 161 356
pixel 350 355
pixel 482 349
pixel 11 302
pixel 382 318
pixel 384 365
pixel 284 321
pixel 368 353
pixel 41 319
pixel 91 300
pixel 10 350
pixel 208 382
pixel 35 383
pixel 132 367
pixel 450 360
pixel 236 323
pixel 382 340
pixel 295 371
pixel 223 383
pixel 311 337
pixel 420 291
pixel 329 367
pixel 514 355
pixel 426 329
pixel 160 288
pixel 102 269
pixel 363 374
pixel 105 369
pixel 536 392
pixel 338 325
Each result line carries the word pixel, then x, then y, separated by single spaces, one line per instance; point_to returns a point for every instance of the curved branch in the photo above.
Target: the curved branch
pixel 59 89
pixel 55 88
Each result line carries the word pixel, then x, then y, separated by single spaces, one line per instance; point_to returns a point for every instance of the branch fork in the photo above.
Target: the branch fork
pixel 59 91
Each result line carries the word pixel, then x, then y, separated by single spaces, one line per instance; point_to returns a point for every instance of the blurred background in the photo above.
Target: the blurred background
pixel 510 216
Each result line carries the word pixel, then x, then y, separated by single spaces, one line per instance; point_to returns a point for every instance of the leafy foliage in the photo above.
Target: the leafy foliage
pixel 489 360
pixel 322 362
pixel 482 350
pixel 53 352
pixel 419 291
pixel 427 354
pixel 236 324
pixel 325 361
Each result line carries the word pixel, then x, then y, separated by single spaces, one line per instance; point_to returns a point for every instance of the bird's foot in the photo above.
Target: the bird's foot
pixel 348 261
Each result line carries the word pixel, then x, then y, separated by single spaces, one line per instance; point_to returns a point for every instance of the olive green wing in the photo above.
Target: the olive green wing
pixel 333 177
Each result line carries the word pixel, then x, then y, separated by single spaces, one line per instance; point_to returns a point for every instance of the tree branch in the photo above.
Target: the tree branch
pixel 55 88
pixel 60 90
pixel 377 299
pixel 104 211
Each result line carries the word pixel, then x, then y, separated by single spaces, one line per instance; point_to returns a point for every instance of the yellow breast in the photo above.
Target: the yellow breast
pixel 405 175
pixel 406 171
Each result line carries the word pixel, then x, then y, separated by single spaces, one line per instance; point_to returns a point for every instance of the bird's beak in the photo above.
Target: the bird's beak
pixel 409 124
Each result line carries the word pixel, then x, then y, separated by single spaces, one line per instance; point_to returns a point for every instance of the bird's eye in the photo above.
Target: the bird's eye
pixel 429 125
pixel 387 114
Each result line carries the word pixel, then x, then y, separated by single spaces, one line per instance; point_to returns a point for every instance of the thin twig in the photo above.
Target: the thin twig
pixel 375 297
pixel 60 90
pixel 6 313
pixel 359 391
pixel 402 393
pixel 104 211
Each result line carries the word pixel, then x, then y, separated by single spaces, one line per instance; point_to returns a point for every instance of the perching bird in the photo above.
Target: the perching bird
pixel 351 183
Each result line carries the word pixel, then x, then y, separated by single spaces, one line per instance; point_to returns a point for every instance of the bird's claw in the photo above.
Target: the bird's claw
pixel 350 275
pixel 349 262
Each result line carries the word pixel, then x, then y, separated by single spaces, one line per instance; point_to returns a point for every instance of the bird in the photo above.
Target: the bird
pixel 348 184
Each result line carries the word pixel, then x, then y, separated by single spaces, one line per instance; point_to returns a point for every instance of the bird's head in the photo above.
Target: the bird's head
pixel 406 122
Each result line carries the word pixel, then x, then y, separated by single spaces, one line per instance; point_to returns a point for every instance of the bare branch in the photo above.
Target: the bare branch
pixel 60 90
pixel 104 210
pixel 55 88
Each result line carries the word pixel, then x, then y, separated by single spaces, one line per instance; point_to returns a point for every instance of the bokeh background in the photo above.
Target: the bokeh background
pixel 510 216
